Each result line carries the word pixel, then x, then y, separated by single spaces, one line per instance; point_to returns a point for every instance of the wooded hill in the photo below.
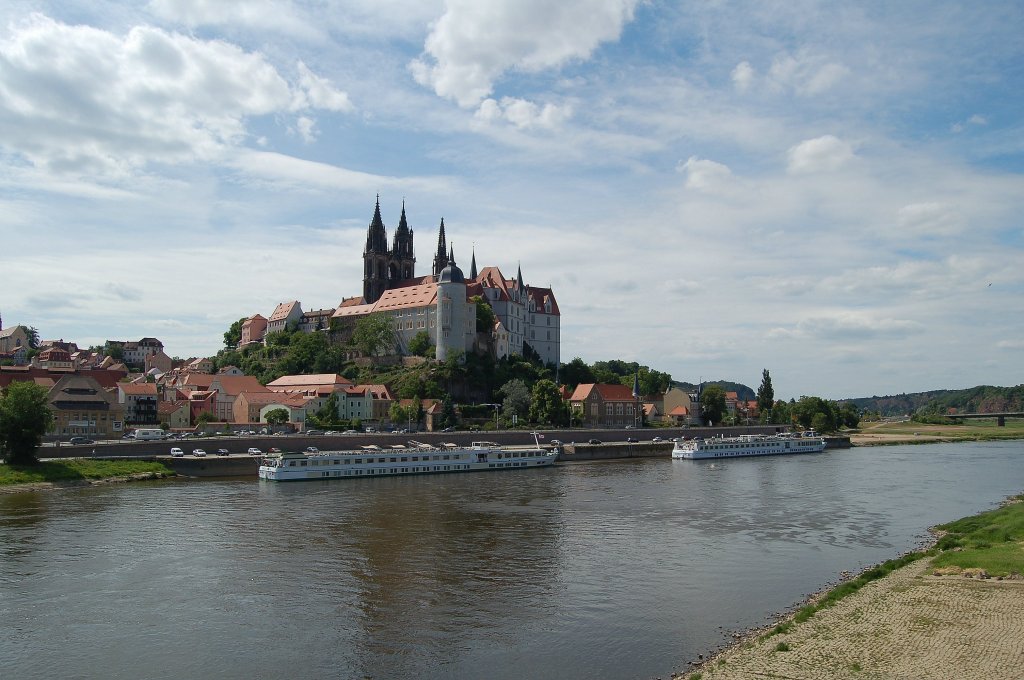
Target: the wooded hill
pixel 980 399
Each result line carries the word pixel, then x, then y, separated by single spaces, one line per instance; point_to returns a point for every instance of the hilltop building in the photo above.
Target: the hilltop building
pixel 527 318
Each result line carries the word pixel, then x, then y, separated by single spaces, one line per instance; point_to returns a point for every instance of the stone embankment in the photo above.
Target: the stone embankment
pixel 908 625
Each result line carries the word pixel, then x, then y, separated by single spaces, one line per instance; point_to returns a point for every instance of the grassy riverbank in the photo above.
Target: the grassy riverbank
pixel 874 434
pixel 949 611
pixel 74 470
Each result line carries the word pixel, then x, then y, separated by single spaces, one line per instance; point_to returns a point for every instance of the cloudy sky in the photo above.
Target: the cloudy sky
pixel 832 191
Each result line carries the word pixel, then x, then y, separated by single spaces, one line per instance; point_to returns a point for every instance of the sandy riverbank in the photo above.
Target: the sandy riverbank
pixel 909 624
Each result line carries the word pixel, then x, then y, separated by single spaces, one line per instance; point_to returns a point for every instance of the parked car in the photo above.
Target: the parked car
pixel 657 439
pixel 199 453
pixel 274 449
pixel 594 441
pixel 253 451
pixel 630 440
pixel 74 441
pixel 314 432
pixel 556 442
pixel 128 435
pixel 177 452
pixel 223 452
pixel 312 449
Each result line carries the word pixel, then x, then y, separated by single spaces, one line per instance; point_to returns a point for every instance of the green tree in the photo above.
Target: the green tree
pixel 420 345
pixel 547 407
pixel 277 416
pixel 233 335
pixel 327 414
pixel 516 399
pixel 374 335
pixel 447 417
pixel 576 372
pixel 398 413
pixel 765 396
pixel 712 404
pixel 115 351
pixel 816 413
pixel 485 318
pixel 205 418
pixel 25 417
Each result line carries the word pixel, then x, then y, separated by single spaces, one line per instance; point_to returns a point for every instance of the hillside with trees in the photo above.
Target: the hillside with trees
pixel 980 399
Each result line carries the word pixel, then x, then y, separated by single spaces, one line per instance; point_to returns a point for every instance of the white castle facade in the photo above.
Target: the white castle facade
pixel 441 303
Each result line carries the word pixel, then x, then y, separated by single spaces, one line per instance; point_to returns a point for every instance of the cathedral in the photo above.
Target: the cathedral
pixel 441 303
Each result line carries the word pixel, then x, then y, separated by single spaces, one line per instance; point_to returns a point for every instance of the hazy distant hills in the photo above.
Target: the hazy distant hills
pixel 980 399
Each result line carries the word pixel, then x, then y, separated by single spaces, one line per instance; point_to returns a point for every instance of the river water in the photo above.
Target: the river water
pixel 605 570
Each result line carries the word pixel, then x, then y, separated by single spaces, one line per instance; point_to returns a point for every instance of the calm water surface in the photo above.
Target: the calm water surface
pixel 605 570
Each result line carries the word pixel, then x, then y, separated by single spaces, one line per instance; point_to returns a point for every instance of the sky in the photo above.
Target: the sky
pixel 831 191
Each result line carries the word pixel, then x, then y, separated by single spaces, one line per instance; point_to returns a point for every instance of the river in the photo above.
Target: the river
pixel 624 569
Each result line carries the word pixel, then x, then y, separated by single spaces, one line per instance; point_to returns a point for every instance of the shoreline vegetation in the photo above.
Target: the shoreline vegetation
pixel 71 472
pixel 909 432
pixel 949 609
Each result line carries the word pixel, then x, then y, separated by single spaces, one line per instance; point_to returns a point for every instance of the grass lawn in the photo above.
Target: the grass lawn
pixel 970 430
pixel 993 541
pixel 76 469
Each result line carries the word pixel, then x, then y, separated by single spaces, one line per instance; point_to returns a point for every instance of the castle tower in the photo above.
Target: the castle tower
pixel 441 257
pixel 402 259
pixel 452 311
pixel 375 258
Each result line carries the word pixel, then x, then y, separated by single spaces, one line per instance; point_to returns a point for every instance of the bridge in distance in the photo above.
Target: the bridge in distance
pixel 1000 417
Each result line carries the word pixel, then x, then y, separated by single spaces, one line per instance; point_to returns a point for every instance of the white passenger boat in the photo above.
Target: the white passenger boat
pixel 748 445
pixel 414 459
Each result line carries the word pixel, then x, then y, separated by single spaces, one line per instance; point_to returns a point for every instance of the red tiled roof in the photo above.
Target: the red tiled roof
pixel 283 310
pixel 138 389
pixel 679 411
pixel 605 391
pixel 314 379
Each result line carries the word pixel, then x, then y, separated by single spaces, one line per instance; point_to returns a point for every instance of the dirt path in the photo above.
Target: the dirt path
pixel 909 625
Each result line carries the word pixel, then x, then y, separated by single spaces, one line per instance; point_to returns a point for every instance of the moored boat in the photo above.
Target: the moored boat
pixel 414 459
pixel 748 445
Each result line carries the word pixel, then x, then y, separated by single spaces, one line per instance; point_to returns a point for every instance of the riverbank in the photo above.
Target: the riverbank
pixel 74 472
pixel 908 432
pixel 919 621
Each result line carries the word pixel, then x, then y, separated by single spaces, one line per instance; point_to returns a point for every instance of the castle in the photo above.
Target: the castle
pixel 439 303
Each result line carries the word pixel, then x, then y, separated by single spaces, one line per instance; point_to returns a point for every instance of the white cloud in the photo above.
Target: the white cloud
pixel 306 128
pixel 743 76
pixel 522 113
pixel 81 100
pixel 1011 344
pixel 821 154
pixel 806 73
pixel 474 43
pixel 931 219
pixel 705 175
pixel 320 94
pixel 267 15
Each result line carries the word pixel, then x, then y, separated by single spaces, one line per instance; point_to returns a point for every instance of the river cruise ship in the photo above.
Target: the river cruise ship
pixel 413 459
pixel 748 445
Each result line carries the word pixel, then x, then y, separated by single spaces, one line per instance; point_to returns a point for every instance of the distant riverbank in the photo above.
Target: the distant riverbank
pixel 908 432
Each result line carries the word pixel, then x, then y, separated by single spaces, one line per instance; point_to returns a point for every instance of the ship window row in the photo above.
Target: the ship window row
pixel 404 459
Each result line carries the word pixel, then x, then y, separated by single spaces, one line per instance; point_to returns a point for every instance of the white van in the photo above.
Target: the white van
pixel 144 434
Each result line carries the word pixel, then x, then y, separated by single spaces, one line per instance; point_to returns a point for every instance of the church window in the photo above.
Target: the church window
pixel 618 409
pixel 609 409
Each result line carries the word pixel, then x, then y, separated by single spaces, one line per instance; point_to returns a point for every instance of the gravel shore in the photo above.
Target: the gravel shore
pixel 908 625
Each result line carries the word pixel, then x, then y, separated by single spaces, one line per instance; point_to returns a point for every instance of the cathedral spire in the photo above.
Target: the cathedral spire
pixel 376 235
pixel 441 257
pixel 519 277
pixel 472 266
pixel 451 254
